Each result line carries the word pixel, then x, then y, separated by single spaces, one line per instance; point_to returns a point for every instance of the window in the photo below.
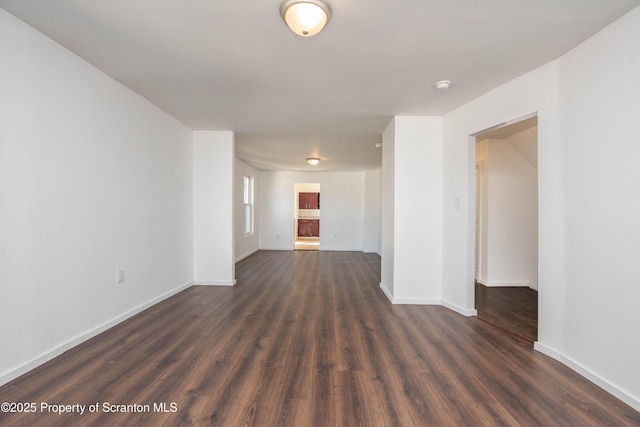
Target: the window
pixel 248 204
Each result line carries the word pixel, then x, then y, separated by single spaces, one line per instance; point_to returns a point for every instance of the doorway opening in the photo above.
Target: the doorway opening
pixel 506 234
pixel 306 214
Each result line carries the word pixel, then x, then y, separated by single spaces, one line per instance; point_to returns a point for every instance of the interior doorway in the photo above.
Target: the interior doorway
pixel 306 215
pixel 506 234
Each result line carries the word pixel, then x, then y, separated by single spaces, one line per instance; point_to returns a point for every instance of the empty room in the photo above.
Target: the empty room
pixel 296 212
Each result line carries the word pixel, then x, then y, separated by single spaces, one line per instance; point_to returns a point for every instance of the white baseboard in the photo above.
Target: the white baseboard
pixel 610 388
pixel 331 249
pixel 278 248
pixel 417 301
pixel 247 255
pixel 58 350
pixel 214 282
pixel 468 312
pixel 507 284
pixel 386 292
pixel 607 386
pixel 547 351
pixel 320 248
pixel 371 251
pixel 426 301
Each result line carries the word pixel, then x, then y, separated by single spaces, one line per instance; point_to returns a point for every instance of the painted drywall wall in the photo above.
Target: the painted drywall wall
pixel 245 244
pixel 372 199
pixel 93 178
pixel 482 211
pixel 586 167
pixel 304 187
pixel 418 210
pixel 342 209
pixel 600 129
pixel 387 210
pixel 526 144
pixel 213 183
pixel 533 92
pixel 509 237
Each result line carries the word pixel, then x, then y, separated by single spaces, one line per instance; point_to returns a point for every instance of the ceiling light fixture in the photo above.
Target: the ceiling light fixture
pixel 313 161
pixel 306 18
pixel 442 84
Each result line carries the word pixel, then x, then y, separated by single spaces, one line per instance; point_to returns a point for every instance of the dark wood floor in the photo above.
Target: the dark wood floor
pixel 514 310
pixel 309 339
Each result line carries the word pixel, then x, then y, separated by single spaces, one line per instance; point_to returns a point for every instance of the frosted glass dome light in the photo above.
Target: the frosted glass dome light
pixel 306 18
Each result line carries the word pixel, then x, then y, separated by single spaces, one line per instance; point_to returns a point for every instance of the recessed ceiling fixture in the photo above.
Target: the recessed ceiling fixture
pixel 442 84
pixel 313 161
pixel 306 18
pixel 378 144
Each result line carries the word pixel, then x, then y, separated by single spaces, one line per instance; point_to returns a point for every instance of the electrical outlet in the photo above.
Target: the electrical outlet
pixel 119 276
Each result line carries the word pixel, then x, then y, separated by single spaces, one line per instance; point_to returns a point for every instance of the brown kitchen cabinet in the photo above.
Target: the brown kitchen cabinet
pixel 308 200
pixel 309 228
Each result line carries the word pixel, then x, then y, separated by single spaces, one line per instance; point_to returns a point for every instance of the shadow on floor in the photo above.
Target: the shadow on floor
pixel 512 309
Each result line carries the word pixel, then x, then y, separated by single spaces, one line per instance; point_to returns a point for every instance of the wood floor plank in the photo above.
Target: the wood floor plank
pixel 513 309
pixel 309 339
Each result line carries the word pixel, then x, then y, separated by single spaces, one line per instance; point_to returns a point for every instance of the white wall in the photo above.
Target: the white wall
pixel 600 133
pixel 93 178
pixel 588 209
pixel 533 92
pixel 510 221
pixel 304 187
pixel 387 220
pixel 526 144
pixel 412 180
pixel 341 209
pixel 245 245
pixel 372 200
pixel 213 182
pixel 418 210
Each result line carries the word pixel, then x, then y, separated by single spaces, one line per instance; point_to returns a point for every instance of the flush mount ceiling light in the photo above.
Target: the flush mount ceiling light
pixel 442 84
pixel 313 161
pixel 306 18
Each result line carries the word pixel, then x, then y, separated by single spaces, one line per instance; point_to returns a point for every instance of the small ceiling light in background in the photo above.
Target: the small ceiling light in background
pixel 313 161
pixel 306 18
pixel 442 84
pixel 378 144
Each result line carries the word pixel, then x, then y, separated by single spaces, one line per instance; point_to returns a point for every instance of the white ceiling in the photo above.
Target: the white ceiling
pixel 234 65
